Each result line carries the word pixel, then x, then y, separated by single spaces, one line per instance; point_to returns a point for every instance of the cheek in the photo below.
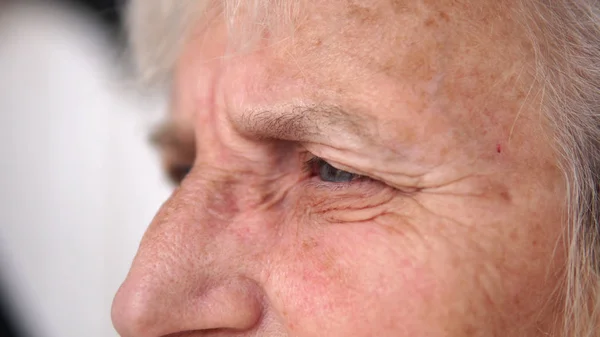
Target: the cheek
pixel 399 275
pixel 352 280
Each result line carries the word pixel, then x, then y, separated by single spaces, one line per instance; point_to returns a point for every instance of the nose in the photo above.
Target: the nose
pixel 187 276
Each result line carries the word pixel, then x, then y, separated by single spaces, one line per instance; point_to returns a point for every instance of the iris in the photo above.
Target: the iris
pixel 326 172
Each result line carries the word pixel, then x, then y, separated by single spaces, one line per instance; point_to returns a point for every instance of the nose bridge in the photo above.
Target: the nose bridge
pixel 187 274
pixel 199 264
pixel 240 173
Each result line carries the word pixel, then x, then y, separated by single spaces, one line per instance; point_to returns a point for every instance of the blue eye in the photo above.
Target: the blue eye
pixel 326 172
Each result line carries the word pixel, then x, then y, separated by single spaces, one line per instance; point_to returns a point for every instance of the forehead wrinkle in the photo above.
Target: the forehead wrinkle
pixel 300 123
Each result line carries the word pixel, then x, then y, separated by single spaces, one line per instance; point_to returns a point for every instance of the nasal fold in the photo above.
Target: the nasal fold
pixel 184 277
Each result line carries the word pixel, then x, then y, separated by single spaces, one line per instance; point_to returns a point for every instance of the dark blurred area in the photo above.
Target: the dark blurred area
pixel 109 13
pixel 7 326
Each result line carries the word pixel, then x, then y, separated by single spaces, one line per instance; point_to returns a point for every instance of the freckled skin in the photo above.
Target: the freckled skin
pixel 457 234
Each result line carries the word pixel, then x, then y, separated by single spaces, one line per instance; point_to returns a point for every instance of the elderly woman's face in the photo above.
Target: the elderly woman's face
pixel 382 171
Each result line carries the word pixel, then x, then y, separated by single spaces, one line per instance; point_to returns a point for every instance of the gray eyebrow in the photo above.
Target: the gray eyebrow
pixel 300 122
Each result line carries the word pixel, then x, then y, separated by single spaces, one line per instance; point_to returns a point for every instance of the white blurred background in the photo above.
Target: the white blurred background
pixel 78 181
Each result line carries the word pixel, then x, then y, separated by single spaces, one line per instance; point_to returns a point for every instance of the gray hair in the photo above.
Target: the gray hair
pixel 157 28
pixel 566 38
pixel 565 35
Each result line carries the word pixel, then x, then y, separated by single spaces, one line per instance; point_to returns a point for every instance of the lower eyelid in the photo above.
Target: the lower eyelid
pixel 360 184
pixel 317 183
pixel 344 208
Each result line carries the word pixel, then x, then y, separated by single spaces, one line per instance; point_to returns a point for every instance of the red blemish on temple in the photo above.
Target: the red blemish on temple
pixel 499 148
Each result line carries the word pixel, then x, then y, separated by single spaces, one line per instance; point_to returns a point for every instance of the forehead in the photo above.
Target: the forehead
pixel 435 63
pixel 343 42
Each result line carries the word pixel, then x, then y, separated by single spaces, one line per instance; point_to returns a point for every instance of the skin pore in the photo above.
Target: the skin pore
pixel 448 222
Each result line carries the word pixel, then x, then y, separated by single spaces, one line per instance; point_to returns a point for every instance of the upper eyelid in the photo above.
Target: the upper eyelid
pixel 343 167
pixel 327 153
